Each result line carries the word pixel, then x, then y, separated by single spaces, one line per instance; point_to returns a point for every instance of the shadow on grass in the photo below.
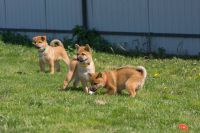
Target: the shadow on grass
pixel 45 72
pixel 70 88
pixel 21 73
pixel 101 92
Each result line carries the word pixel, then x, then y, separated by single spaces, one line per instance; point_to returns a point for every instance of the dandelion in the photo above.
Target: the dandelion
pixel 156 75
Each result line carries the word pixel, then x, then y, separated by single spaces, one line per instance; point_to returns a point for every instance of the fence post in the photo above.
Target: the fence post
pixel 149 29
pixel 84 14
pixel 5 14
pixel 45 13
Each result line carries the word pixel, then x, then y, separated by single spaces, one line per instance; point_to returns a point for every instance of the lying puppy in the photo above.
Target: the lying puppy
pixel 117 80
pixel 80 67
pixel 50 54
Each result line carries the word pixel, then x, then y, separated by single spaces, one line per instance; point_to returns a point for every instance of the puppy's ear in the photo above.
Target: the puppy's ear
pixel 87 48
pixel 43 38
pixel 34 38
pixel 90 74
pixel 77 46
pixel 99 75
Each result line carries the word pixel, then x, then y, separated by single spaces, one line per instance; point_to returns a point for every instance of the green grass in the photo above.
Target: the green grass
pixel 30 101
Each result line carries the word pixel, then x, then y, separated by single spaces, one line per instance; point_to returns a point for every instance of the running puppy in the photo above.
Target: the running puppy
pixel 50 54
pixel 80 67
pixel 129 78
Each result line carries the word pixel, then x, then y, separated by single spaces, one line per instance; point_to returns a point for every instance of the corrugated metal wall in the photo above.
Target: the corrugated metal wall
pixel 2 14
pixel 40 14
pixel 175 16
pixel 118 15
pixel 139 16
pixel 165 16
pixel 63 14
pixel 25 14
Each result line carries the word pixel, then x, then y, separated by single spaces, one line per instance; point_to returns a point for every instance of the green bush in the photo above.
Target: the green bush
pixel 161 52
pixel 81 36
pixel 15 38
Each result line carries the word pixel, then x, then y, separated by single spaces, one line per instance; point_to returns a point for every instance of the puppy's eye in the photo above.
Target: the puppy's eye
pixel 95 83
pixel 40 41
pixel 82 54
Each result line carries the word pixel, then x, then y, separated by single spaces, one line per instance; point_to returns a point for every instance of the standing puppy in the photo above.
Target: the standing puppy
pixel 50 54
pixel 123 78
pixel 80 67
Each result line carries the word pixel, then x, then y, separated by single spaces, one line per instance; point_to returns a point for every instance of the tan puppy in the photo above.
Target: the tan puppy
pixel 80 67
pixel 50 54
pixel 119 79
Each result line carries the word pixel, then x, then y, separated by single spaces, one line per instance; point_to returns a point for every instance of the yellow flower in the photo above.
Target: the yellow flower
pixel 156 75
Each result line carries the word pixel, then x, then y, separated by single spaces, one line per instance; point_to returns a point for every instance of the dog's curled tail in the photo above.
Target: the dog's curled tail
pixel 56 42
pixel 144 74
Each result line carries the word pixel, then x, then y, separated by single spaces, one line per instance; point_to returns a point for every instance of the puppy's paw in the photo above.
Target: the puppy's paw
pixel 52 73
pixel 86 90
pixel 65 85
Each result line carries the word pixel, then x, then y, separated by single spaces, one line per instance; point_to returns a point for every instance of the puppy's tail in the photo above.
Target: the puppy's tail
pixel 144 74
pixel 56 42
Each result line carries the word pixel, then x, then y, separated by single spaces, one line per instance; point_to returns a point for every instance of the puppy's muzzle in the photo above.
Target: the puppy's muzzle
pixel 81 60
pixel 93 89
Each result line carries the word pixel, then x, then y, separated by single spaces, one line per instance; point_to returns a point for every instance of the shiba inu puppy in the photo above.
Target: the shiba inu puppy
pixel 80 67
pixel 50 54
pixel 129 78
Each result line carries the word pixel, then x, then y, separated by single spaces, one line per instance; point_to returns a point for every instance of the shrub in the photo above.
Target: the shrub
pixel 161 52
pixel 83 36
pixel 80 35
pixel 15 38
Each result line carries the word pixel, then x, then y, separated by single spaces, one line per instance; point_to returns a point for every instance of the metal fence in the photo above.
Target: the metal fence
pixel 173 25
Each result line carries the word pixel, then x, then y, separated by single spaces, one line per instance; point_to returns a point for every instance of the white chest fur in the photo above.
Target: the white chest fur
pixel 84 70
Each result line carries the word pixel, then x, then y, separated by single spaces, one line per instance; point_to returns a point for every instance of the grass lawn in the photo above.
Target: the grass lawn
pixel 30 101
